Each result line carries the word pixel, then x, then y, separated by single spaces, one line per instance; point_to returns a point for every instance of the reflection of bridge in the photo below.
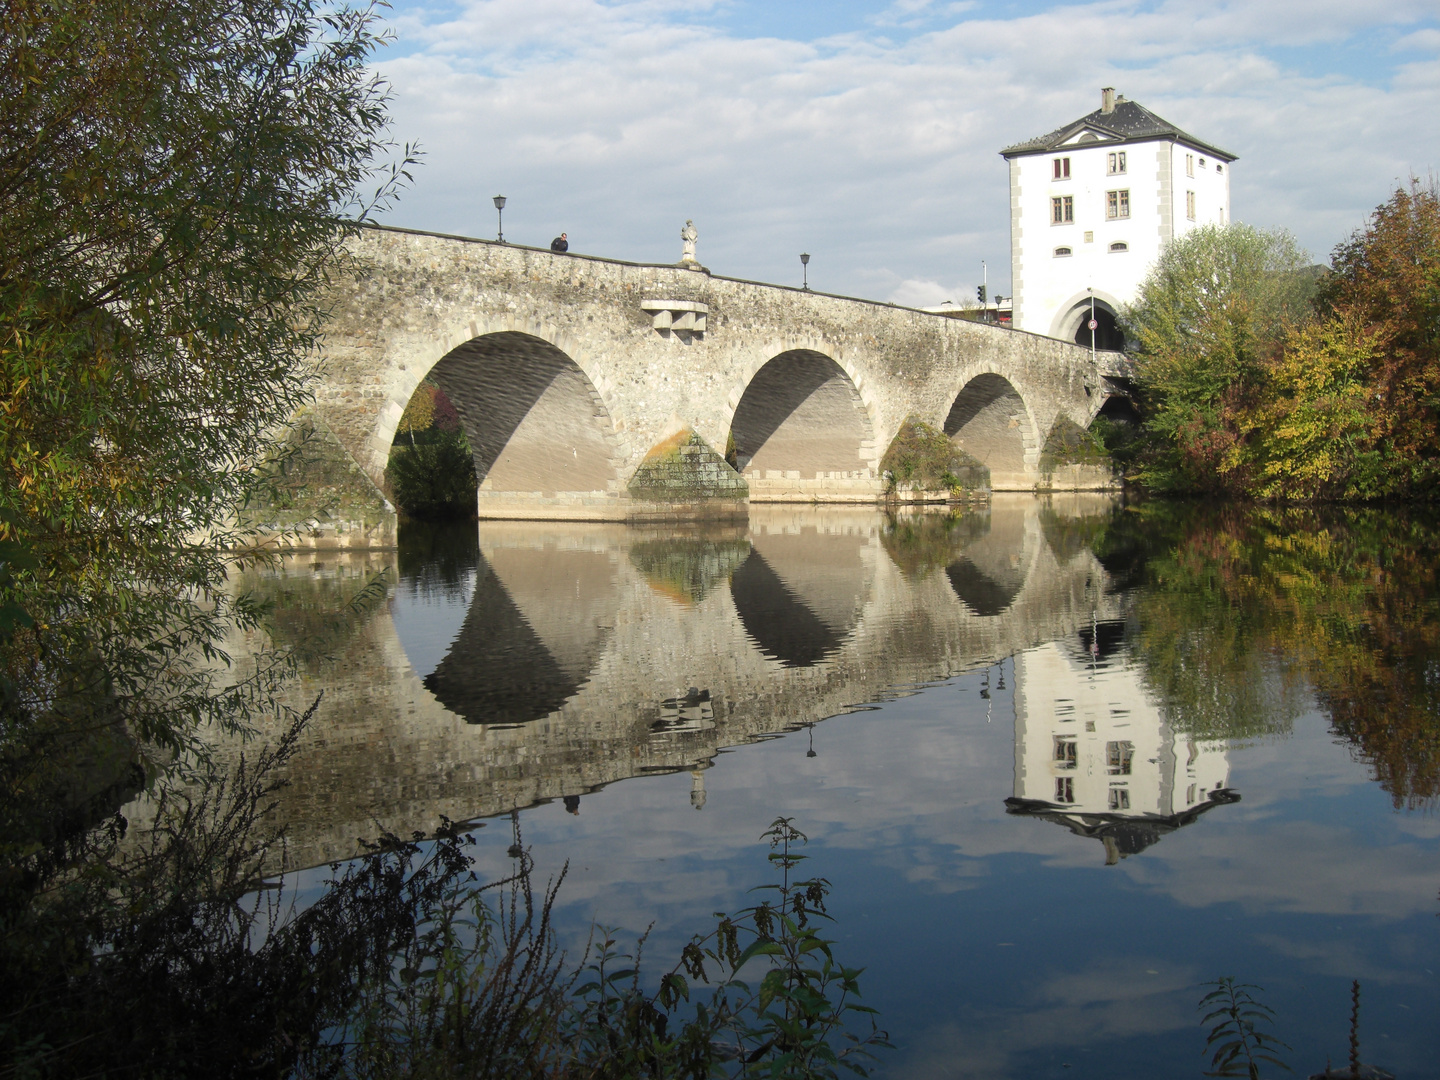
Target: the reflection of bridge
pixel 571 373
pixel 554 659
pixel 1093 752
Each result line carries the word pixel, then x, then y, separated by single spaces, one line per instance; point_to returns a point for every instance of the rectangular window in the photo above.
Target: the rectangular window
pixel 1190 205
pixel 1065 752
pixel 1062 210
pixel 1119 798
pixel 1189 164
pixel 1118 756
pixel 1064 789
pixel 1117 163
pixel 1061 168
pixel 1117 204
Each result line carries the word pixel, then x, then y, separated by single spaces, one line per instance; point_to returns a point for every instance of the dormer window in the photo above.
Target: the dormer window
pixel 1063 252
pixel 1120 245
pixel 1061 168
pixel 1116 163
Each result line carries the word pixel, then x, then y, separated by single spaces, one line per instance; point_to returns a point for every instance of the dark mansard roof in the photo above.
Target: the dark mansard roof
pixel 1128 122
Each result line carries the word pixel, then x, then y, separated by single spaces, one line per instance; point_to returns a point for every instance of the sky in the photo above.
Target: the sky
pixel 868 134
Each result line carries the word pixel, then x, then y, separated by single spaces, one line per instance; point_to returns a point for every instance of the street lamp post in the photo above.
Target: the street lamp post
pixel 1093 324
pixel 805 270
pixel 500 216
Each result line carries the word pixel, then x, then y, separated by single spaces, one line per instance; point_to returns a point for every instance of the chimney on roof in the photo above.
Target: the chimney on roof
pixel 1107 100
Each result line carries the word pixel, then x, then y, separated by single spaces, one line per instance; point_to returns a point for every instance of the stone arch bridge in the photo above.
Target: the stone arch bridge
pixel 605 390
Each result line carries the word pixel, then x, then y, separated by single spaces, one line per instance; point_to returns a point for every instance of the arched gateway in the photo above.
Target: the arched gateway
pixel 595 389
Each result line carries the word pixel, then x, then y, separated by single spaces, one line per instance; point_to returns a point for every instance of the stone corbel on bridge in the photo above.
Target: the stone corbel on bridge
pixel 682 319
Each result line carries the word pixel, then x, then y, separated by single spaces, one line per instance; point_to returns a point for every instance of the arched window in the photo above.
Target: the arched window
pixel 1061 252
pixel 1119 245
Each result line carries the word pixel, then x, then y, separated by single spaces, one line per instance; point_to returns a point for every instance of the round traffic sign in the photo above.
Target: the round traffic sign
pixel 1093 324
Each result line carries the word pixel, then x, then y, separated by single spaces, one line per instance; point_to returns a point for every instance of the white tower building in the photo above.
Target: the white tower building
pixel 1091 205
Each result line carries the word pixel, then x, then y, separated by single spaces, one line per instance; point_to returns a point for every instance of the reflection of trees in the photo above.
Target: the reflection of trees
pixel 1245 609
pixel 315 618
pixel 687 568
pixel 924 542
pixel 438 556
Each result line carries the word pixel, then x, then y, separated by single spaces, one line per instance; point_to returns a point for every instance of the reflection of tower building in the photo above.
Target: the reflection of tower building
pixel 1093 753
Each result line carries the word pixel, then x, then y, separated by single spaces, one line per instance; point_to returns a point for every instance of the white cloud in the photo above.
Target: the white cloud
pixel 616 122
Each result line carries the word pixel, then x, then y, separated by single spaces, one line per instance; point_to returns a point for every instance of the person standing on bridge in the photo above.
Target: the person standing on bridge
pixel 560 243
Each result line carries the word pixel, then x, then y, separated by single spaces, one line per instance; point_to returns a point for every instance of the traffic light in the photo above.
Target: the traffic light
pixel 980 293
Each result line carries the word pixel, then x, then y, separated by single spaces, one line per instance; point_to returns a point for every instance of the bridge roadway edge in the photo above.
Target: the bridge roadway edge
pixel 414 298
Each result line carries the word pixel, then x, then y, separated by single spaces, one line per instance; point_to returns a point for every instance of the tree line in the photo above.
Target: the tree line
pixel 1262 376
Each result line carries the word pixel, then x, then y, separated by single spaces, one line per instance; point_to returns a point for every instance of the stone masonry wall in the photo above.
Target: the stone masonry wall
pixel 417 299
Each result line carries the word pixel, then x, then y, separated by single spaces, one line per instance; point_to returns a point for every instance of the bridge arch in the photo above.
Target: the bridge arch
pixel 802 430
pixel 1071 322
pixel 991 422
pixel 537 426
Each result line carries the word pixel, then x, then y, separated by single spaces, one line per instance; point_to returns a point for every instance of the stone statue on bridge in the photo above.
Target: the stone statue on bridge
pixel 689 236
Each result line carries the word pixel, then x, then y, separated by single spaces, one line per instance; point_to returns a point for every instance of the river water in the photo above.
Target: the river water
pixel 1062 760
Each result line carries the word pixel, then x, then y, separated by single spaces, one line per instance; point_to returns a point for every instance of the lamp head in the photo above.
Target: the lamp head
pixel 805 258
pixel 499 202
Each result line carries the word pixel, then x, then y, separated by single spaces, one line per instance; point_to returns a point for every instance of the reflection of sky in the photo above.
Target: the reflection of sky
pixel 999 946
pixel 427 620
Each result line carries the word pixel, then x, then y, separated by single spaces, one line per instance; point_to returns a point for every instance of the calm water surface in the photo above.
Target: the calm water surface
pixel 1063 762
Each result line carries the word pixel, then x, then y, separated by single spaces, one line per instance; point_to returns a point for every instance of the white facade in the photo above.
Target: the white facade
pixel 1093 751
pixel 1091 206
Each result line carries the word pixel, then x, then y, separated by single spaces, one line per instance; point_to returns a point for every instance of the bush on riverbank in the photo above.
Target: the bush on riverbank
pixel 433 481
pixel 1262 378
pixel 923 459
pixel 164 960
pixel 431 472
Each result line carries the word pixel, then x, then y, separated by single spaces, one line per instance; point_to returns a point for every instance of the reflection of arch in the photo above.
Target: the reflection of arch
pixel 990 422
pixel 436 563
pixel 800 595
pixel 800 418
pixel 1072 318
pixel 534 421
pixel 978 591
pixel 535 629
pixel 995 565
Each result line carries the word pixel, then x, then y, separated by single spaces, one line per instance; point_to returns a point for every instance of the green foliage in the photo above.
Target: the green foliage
pixel 175 184
pixel 923 459
pixel 152 955
pixel 1070 444
pixel 1312 422
pixel 480 990
pixel 1240 1045
pixel 1213 310
pixel 1385 297
pixel 434 480
pixel 1246 395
